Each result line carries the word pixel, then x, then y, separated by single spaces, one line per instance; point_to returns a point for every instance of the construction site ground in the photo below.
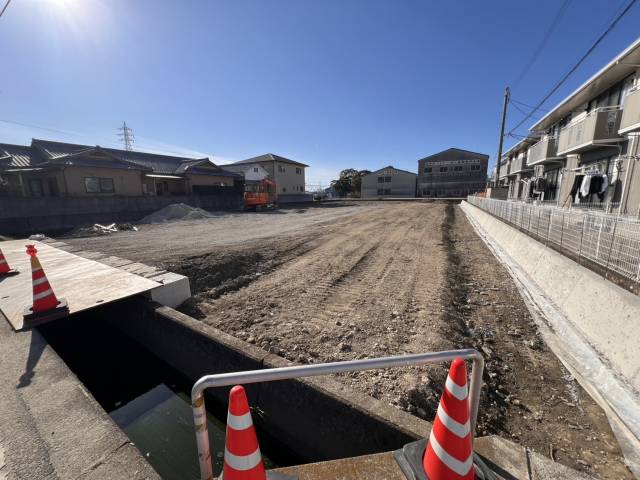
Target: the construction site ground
pixel 342 281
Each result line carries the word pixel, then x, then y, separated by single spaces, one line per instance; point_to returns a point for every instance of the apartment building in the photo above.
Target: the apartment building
pixel 288 174
pixel 388 182
pixel 586 149
pixel 452 173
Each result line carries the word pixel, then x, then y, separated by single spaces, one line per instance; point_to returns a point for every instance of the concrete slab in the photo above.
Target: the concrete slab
pixel 507 460
pixel 83 283
pixel 174 289
pixel 380 466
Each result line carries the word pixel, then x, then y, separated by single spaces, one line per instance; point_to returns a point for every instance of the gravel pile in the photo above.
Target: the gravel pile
pixel 176 211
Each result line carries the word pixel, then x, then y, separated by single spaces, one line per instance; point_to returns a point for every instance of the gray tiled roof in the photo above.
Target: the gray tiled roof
pixel 394 168
pixel 269 157
pixel 19 156
pixel 47 152
pixel 477 154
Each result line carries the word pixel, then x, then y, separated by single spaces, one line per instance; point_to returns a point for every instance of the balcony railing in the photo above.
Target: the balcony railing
pixel 504 170
pixel 543 151
pixel 631 113
pixel 599 126
pixel 519 164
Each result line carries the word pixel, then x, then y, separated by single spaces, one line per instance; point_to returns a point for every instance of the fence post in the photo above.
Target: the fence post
pixel 581 237
pixel 613 238
pixel 562 229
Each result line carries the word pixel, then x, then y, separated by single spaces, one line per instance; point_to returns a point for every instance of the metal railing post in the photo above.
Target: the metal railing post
pixel 613 238
pixel 581 237
pixel 287 373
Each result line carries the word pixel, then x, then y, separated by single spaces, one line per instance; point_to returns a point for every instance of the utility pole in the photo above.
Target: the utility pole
pixel 126 137
pixel 507 94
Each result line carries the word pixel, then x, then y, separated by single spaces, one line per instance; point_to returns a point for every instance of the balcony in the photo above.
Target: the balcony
pixel 599 126
pixel 519 165
pixel 631 113
pixel 504 170
pixel 544 151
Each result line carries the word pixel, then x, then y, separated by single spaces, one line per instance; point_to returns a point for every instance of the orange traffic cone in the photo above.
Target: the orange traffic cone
pixel 449 453
pixel 242 457
pixel 5 269
pixel 46 306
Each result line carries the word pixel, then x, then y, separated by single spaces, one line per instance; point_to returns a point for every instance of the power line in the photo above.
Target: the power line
pixel 29 125
pixel 5 7
pixel 542 43
pixel 582 59
pixel 526 105
pixel 515 105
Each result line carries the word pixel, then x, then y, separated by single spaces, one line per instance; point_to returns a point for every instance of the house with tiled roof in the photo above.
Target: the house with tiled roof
pixel 48 168
pixel 288 174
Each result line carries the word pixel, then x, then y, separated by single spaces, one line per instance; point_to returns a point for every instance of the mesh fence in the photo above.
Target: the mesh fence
pixel 612 241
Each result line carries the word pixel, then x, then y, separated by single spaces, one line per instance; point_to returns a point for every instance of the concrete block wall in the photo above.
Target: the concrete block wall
pixel 605 314
pixel 25 215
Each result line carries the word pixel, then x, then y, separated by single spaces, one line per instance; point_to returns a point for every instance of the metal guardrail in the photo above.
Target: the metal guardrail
pixel 287 373
pixel 612 241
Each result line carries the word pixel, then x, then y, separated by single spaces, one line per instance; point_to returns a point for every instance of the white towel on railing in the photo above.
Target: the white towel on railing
pixel 605 184
pixel 586 183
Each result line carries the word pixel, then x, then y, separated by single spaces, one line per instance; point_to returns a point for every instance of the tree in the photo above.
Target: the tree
pixel 349 182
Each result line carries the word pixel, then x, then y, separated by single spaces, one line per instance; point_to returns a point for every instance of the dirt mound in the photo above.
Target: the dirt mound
pixel 176 211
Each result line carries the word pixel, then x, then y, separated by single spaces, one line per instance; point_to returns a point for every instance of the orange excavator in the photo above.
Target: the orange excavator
pixel 260 195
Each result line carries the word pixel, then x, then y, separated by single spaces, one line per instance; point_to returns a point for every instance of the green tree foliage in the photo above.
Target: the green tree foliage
pixel 348 185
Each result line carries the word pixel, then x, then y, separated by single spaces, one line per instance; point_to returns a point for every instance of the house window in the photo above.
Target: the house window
pixel 380 179
pixel 475 167
pixel 98 185
pixel 387 179
pixel 387 191
pixel 444 169
pixel 428 169
pixel 380 191
pixel 52 182
pixel 284 189
pixel 35 187
pixel 298 171
pixel 457 168
pixel 281 169
pixel 255 169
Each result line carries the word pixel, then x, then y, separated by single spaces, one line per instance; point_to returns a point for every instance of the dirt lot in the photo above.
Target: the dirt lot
pixel 377 279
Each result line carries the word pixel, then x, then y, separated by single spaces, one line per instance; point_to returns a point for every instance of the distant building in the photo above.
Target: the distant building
pixel 452 173
pixel 288 174
pixel 251 173
pixel 56 169
pixel 388 182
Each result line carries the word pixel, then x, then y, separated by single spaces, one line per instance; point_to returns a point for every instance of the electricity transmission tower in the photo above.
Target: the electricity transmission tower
pixel 126 137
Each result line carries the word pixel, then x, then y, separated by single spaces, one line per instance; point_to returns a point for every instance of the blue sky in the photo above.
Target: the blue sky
pixel 333 83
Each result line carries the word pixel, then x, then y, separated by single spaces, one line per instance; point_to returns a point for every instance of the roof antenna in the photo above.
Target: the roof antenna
pixel 126 137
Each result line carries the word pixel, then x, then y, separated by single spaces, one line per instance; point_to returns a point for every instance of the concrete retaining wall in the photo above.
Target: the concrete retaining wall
pixel 607 316
pixel 317 419
pixel 25 215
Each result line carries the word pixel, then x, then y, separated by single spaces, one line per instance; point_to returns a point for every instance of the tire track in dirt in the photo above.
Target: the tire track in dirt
pixel 408 278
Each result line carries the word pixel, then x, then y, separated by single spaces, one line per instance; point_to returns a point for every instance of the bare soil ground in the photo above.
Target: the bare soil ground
pixel 381 279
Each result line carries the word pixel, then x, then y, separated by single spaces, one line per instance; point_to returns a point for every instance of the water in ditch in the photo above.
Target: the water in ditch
pixel 146 397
